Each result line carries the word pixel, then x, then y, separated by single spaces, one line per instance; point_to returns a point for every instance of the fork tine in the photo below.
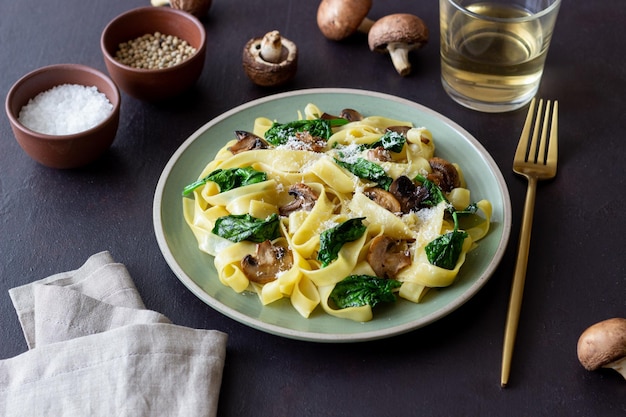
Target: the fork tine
pixel 532 152
pixel 541 155
pixel 550 123
pixel 553 148
pixel 522 146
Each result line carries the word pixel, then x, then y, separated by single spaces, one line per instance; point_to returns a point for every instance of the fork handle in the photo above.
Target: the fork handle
pixel 519 277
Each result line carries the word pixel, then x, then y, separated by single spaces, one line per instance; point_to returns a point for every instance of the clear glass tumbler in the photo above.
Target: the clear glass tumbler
pixel 493 51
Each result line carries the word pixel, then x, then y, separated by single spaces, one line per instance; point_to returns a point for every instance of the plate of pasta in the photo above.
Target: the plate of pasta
pixel 332 215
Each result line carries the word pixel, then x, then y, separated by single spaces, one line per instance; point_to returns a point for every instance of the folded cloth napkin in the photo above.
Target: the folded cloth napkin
pixel 95 350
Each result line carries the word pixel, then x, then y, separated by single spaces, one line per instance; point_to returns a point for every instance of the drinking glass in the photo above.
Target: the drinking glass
pixel 493 51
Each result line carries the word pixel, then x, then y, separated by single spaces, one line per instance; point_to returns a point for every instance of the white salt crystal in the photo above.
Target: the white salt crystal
pixel 65 109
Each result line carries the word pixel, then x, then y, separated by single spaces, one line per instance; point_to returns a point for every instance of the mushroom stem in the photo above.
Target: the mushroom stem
pixel 618 365
pixel 271 47
pixel 400 57
pixel 365 25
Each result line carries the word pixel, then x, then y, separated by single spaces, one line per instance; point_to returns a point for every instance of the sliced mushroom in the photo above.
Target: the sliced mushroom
pixel 384 199
pixel 351 115
pixel 379 154
pixel 269 260
pixel 247 141
pixel 338 19
pixel 399 129
pixel 270 60
pixel 305 198
pixel 388 256
pixel 408 194
pixel 304 141
pixel 398 34
pixel 603 345
pixel 444 174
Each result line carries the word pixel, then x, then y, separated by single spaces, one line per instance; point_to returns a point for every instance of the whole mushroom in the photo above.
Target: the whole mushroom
pixel 338 19
pixel 270 60
pixel 198 8
pixel 398 34
pixel 603 345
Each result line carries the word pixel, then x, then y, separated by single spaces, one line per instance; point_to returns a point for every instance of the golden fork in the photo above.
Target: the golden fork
pixel 534 162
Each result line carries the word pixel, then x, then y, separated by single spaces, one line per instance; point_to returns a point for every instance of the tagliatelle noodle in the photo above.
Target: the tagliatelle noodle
pixel 381 220
pixel 340 197
pixel 305 238
pixel 340 268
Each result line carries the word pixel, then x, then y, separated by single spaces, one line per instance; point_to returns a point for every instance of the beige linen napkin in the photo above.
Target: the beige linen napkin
pixel 96 351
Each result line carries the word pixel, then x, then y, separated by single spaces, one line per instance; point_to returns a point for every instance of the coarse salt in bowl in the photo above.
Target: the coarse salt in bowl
pixel 65 115
pixel 66 109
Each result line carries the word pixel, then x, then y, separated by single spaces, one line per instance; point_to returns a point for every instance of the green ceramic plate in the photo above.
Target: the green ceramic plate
pixel 196 271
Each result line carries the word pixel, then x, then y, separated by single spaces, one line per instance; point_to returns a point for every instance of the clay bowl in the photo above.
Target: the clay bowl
pixel 71 150
pixel 154 84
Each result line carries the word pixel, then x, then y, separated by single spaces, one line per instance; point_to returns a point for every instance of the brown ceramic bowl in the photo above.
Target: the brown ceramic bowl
pixel 154 84
pixel 63 151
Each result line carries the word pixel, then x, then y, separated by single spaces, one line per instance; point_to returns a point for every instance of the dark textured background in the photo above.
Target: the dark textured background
pixel 52 221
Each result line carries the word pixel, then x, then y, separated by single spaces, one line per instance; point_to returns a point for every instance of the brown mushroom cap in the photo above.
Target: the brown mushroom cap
pixel 198 8
pixel 338 19
pixel 265 73
pixel 603 344
pixel 398 34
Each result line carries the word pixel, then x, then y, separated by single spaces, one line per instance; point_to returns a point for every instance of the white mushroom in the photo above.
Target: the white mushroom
pixel 338 19
pixel 397 34
pixel 603 345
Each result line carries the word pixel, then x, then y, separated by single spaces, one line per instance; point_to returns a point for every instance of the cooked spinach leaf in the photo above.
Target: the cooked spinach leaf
pixel 331 240
pixel 367 170
pixel 360 290
pixel 444 250
pixel 391 141
pixel 279 133
pixel 238 227
pixel 228 179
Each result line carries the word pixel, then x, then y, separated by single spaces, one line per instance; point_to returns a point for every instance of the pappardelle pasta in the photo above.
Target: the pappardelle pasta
pixel 339 212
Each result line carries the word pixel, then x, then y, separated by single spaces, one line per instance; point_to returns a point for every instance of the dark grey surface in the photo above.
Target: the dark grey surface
pixel 52 221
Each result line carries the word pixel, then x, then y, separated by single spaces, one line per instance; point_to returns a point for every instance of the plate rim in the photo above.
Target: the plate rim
pixel 271 328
